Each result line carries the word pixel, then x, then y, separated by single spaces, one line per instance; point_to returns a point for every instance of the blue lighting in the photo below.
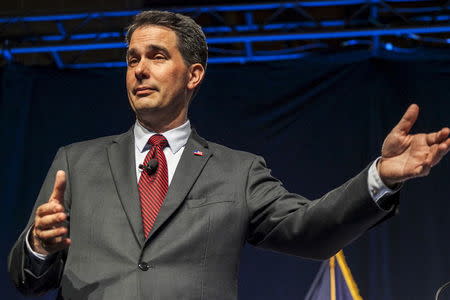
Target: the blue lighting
pixel 228 29
pixel 250 38
pixel 247 33
pixel 221 8
pixel 57 59
pixel 390 47
pixel 212 60
pixel 292 50
pixel 244 59
pixel 356 42
pixel 113 64
pixel 431 18
pixel 327 35
pixel 83 36
pixel 410 10
pixel 61 28
pixel 67 48
pixel 277 26
pixel 7 55
pixel 67 17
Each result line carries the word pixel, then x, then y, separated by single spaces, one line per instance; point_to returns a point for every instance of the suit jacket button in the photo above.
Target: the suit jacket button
pixel 143 266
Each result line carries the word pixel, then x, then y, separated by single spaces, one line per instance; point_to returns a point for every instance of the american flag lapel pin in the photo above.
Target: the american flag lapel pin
pixel 198 153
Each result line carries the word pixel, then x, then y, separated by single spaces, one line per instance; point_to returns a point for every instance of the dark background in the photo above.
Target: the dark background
pixel 317 122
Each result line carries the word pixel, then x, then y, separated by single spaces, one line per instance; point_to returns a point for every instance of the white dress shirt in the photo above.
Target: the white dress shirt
pixel 177 139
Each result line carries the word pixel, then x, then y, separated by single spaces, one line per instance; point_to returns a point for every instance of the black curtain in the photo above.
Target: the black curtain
pixel 317 122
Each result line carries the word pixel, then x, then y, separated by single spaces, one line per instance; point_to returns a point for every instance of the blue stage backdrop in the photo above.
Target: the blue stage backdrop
pixel 317 122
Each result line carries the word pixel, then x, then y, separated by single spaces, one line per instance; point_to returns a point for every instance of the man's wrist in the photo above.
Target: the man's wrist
pixel 377 188
pixel 29 242
pixel 391 184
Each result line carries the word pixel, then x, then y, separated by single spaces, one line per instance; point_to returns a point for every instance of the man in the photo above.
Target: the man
pixel 160 213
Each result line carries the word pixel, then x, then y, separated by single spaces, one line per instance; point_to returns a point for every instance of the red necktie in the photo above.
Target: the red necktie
pixel 153 186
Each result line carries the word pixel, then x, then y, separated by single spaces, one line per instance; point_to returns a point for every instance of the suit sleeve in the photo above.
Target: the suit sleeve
pixel 23 273
pixel 318 229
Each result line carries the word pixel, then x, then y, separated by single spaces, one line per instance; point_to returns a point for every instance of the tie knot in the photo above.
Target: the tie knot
pixel 158 140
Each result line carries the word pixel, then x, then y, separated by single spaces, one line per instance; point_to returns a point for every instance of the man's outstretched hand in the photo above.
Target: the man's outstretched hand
pixel 49 229
pixel 405 156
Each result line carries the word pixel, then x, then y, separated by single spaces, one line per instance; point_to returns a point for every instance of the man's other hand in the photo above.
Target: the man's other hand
pixel 49 227
pixel 405 156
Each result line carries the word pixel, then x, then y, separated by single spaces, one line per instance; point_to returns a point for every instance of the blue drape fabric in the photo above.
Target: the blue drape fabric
pixel 317 122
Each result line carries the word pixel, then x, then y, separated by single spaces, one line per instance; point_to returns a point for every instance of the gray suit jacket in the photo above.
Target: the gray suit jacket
pixel 215 203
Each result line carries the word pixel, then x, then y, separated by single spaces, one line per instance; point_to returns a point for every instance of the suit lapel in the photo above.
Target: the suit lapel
pixel 187 172
pixel 123 168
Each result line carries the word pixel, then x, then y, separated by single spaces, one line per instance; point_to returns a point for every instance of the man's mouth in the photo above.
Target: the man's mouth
pixel 144 90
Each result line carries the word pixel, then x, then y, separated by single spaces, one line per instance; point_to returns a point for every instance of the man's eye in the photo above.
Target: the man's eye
pixel 159 57
pixel 132 61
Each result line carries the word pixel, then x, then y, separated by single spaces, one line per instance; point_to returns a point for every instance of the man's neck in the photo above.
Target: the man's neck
pixel 160 127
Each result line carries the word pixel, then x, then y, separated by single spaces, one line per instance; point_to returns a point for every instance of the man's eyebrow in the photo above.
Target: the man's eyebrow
pixel 157 48
pixel 131 52
pixel 151 48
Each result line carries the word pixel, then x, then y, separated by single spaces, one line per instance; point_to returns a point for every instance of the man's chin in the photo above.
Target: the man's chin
pixel 145 103
pixel 146 108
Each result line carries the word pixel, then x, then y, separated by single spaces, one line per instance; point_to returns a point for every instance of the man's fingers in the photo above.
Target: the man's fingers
pixel 49 208
pixel 441 150
pixel 438 137
pixel 45 235
pixel 422 171
pixel 59 187
pixel 408 119
pixel 49 221
pixel 446 144
pixel 56 244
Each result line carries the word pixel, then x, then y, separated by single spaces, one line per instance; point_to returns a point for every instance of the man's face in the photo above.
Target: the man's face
pixel 157 77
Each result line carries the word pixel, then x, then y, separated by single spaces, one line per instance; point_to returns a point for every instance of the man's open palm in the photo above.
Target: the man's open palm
pixel 405 155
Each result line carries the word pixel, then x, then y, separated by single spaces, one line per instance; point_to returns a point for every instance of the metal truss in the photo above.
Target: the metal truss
pixel 237 33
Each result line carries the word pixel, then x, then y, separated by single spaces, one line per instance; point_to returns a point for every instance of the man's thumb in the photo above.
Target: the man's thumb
pixel 59 187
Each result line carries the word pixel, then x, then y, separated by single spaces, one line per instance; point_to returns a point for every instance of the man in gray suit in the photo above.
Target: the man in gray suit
pixel 206 200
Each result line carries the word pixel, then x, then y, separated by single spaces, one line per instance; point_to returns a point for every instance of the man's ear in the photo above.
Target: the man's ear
pixel 196 74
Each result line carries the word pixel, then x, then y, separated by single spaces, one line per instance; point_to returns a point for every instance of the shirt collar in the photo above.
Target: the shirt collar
pixel 176 137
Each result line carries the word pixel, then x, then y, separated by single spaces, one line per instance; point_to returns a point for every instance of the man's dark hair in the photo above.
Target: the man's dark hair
pixel 191 40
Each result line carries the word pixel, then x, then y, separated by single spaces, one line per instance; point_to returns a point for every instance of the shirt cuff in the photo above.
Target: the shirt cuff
pixel 377 188
pixel 39 256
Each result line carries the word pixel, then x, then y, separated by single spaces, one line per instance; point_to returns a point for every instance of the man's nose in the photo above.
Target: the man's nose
pixel 142 71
